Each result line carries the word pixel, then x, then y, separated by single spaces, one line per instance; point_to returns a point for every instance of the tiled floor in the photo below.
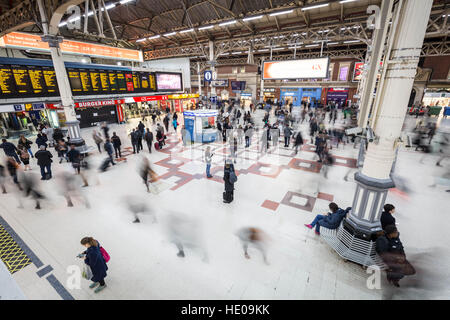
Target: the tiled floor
pixel 277 192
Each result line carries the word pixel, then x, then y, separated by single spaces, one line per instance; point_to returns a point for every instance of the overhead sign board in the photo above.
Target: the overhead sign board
pixel 296 69
pixel 357 74
pixel 22 40
pixel 208 75
pixel 220 83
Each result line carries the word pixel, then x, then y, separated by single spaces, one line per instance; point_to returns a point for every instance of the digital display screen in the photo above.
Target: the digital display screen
pixel 296 69
pixel 6 80
pixel 152 81
pixel 22 80
pixel 343 72
pixel 121 82
pixel 145 84
pixel 37 80
pixel 168 81
pixel 104 81
pixel 237 85
pixel 357 75
pixel 50 80
pixel 136 81
pixel 85 81
pixel 112 81
pixel 95 81
pixel 75 81
pixel 129 81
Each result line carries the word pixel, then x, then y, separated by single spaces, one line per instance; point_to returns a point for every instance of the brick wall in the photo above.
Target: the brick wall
pixel 440 66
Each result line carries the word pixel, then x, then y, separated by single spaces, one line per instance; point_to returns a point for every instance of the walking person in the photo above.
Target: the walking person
pixel 116 144
pixel 74 157
pixel 41 140
pixel 44 160
pixel 97 139
pixel 255 237
pixel 2 178
pixel 10 150
pixel 148 137
pixel 139 136
pixel 148 175
pixel 61 148
pixel 175 124
pixel 94 258
pixel 26 144
pixel 208 160
pixel 134 141
pixel 230 178
pixel 166 122
pixel 287 136
pixel 110 150
pixel 105 130
pixel 298 141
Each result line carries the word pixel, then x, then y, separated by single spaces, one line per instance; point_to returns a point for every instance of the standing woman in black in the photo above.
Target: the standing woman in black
pixel 228 195
pixel 94 259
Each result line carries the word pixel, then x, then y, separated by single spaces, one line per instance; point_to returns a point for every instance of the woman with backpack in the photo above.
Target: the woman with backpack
pixel 95 257
pixel 230 178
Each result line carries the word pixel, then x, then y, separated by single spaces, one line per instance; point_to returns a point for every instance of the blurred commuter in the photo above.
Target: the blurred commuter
pixel 30 184
pixel 254 237
pixel 61 148
pixel 298 141
pixel 2 178
pixel 147 174
pixel 208 160
pixel 10 150
pixel 97 139
pixel 24 156
pixel 44 161
pixel 137 205
pixel 13 167
pixel 26 144
pixel 74 157
pixel 230 178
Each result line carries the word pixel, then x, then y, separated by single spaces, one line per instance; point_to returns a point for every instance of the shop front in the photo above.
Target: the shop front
pixel 92 113
pixel 246 99
pixel 290 95
pixel 310 95
pixel 337 95
pixel 436 98
pixel 20 119
pixel 185 101
pixel 269 94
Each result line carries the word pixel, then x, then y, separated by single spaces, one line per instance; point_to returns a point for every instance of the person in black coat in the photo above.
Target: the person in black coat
pixel 386 217
pixel 109 150
pixel 134 140
pixel 41 140
pixel 228 195
pixel 26 144
pixel 149 139
pixel 74 157
pixel 298 141
pixel 44 160
pixel 94 259
pixel 10 150
pixel 390 249
pixel 139 136
pixel 116 143
pixel 58 135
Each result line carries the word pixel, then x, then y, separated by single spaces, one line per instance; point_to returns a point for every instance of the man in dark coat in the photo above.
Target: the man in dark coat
pixel 330 221
pixel 116 144
pixel 134 141
pixel 74 157
pixel 109 150
pixel 41 140
pixel 390 249
pixel 10 150
pixel 149 139
pixel 298 141
pixel 139 136
pixel 229 185
pixel 386 217
pixel 44 160
pixel 166 122
pixel 141 127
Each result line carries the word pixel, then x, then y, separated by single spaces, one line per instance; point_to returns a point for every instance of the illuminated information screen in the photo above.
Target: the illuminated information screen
pixel 104 82
pixel 50 80
pixel 37 80
pixel 75 81
pixel 121 83
pixel 95 81
pixel 136 81
pixel 152 81
pixel 112 81
pixel 85 81
pixel 6 80
pixel 22 80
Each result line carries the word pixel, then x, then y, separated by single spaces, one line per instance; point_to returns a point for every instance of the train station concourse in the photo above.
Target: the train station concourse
pixel 224 150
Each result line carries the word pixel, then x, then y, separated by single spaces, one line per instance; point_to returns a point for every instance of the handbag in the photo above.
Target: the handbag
pixel 105 254
pixel 233 177
pixel 87 272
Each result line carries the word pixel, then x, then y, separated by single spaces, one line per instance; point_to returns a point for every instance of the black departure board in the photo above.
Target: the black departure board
pixel 7 87
pixel 95 81
pixel 112 81
pixel 50 80
pixel 104 81
pixel 129 82
pixel 121 82
pixel 75 81
pixel 37 80
pixel 145 85
pixel 152 81
pixel 22 80
pixel 85 81
pixel 136 82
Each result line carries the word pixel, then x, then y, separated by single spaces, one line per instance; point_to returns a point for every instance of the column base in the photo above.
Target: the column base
pixel 73 128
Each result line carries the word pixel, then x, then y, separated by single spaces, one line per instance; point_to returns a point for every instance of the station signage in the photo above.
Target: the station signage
pixel 184 96
pixel 20 40
pixel 99 103
pixel 220 83
pixel 296 69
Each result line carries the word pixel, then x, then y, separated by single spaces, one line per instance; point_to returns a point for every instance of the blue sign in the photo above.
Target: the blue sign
pixel 208 75
pixel 18 107
pixel 38 106
pixel 213 99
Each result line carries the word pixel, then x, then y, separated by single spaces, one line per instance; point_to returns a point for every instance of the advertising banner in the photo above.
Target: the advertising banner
pixel 357 74
pixel 296 69
pixel 168 81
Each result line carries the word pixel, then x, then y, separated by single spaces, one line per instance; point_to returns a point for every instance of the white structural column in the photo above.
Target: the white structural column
pixel 199 82
pixel 50 36
pixel 213 66
pixel 374 181
pixel 261 91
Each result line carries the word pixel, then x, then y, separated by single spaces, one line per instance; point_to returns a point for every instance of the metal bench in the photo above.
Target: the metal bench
pixel 351 248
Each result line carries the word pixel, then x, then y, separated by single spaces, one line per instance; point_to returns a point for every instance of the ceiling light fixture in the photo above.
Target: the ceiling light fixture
pixel 281 12
pixel 207 27
pixel 346 1
pixel 311 45
pixel 352 41
pixel 316 6
pixel 125 1
pixel 227 23
pixel 188 30
pixel 154 37
pixel 169 34
pixel 140 40
pixel 252 18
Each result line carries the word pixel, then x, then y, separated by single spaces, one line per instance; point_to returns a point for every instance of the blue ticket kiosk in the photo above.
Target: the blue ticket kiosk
pixel 201 125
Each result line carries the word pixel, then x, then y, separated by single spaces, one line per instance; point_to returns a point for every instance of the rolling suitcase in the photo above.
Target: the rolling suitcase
pixel 156 146
pixel 105 164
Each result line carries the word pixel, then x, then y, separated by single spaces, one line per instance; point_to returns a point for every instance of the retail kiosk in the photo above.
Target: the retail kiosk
pixel 200 124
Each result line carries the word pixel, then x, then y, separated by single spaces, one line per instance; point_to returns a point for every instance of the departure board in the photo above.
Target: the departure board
pixel 7 86
pixel 85 81
pixel 75 81
pixel 95 81
pixel 104 82
pixel 145 85
pixel 50 80
pixel 121 82
pixel 22 80
pixel 37 80
pixel 129 81
pixel 136 82
pixel 152 81
pixel 112 81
